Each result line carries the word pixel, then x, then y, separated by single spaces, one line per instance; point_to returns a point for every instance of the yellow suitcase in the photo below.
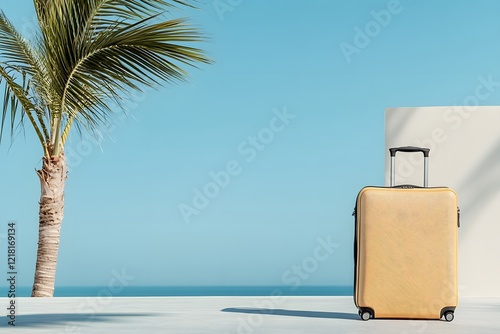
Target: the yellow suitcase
pixel 405 249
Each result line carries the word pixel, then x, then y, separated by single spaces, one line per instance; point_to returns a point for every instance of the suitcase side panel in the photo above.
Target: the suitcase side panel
pixel 406 251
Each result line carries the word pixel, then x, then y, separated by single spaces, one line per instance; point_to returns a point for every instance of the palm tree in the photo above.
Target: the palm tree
pixel 85 56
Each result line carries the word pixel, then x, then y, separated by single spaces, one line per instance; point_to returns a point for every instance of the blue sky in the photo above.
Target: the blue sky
pixel 291 119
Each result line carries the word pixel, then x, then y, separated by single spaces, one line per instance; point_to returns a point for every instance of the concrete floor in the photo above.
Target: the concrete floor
pixel 231 315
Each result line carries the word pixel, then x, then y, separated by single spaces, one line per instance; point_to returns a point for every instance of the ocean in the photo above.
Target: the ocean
pixel 179 291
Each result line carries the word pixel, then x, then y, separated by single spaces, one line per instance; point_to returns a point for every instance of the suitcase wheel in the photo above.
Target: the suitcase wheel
pixel 365 315
pixel 449 316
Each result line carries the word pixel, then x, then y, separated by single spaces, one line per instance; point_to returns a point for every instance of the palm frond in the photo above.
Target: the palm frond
pixel 106 47
pixel 20 58
pixel 14 95
pixel 89 53
pixel 13 48
pixel 16 50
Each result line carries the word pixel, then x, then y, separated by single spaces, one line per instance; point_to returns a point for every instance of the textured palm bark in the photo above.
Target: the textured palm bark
pixel 52 179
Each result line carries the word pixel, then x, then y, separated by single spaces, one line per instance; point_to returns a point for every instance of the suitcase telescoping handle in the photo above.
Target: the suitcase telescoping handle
pixel 410 149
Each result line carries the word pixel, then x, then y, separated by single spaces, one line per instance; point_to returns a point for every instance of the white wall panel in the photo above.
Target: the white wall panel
pixel 465 155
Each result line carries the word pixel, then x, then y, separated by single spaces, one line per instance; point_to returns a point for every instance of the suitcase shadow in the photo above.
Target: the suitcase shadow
pixel 294 313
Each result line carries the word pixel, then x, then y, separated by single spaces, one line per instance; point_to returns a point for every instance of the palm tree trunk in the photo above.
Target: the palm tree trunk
pixel 52 179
